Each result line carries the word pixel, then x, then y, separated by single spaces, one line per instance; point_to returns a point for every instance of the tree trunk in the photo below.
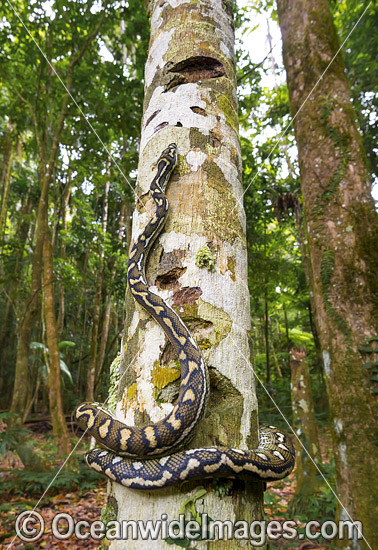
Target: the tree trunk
pixel 304 424
pixel 266 313
pixel 109 301
pixel 266 331
pixel 21 382
pixel 6 177
pixel 190 99
pixel 91 372
pixel 93 353
pixel 64 205
pixel 55 395
pixel 342 230
pixel 104 334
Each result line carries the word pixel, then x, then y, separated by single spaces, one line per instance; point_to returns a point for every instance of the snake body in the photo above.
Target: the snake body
pixel 150 457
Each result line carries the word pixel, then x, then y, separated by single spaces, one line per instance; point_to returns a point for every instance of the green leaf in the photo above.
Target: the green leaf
pixel 370 364
pixel 65 370
pixel 365 349
pixel 191 500
pixel 66 344
pixel 38 345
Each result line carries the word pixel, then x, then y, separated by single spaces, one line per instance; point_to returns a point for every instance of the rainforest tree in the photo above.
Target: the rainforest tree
pixel 341 227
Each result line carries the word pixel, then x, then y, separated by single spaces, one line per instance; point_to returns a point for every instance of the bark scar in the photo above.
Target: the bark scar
pixel 169 280
pixel 187 295
pixel 194 69
pixel 152 117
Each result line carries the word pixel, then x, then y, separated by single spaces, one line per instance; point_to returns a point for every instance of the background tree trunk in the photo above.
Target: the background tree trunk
pixel 190 99
pixel 93 353
pixel 108 299
pixel 304 424
pixel 55 396
pixel 63 220
pixel 342 230
pixel 5 179
pixel 21 382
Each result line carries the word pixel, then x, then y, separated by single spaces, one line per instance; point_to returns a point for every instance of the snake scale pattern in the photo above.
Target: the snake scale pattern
pixel 151 457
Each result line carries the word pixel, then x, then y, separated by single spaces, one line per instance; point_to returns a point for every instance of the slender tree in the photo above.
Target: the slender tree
pixel 342 231
pixel 199 264
pixel 6 177
pixel 92 366
pixel 55 395
pixel 304 423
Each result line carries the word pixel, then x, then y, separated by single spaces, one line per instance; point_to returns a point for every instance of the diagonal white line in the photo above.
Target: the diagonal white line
pixel 298 439
pixel 74 101
pixel 300 108
pixel 71 453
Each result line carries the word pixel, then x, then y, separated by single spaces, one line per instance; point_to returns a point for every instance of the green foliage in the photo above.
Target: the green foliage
pixel 279 295
pixel 44 353
pixel 109 91
pixel 75 476
pixel 10 437
pixel 189 507
pixel 322 505
pixel 369 349
pixel 301 338
pixel 360 52
pixel 222 487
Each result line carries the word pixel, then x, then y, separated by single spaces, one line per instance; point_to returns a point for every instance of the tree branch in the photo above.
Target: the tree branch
pixel 73 62
pixel 90 37
pixel 254 67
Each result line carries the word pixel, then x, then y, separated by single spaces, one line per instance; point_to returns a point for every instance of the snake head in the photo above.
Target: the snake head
pixel 166 163
pixel 169 154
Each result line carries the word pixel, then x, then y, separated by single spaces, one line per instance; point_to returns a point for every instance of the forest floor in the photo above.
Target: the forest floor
pixel 87 506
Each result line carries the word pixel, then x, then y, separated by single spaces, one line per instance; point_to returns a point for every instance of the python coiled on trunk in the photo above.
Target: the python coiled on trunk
pixel 152 456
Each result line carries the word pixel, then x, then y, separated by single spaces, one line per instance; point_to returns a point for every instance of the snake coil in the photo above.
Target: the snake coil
pixel 151 456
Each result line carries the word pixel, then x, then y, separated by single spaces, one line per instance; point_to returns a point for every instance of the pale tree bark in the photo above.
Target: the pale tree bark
pixel 304 424
pixel 190 99
pixel 342 230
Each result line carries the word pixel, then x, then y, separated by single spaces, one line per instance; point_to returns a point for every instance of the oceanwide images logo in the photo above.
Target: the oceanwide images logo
pixel 30 526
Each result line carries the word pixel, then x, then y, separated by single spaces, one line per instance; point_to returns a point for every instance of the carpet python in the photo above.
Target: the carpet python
pixel 151 456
